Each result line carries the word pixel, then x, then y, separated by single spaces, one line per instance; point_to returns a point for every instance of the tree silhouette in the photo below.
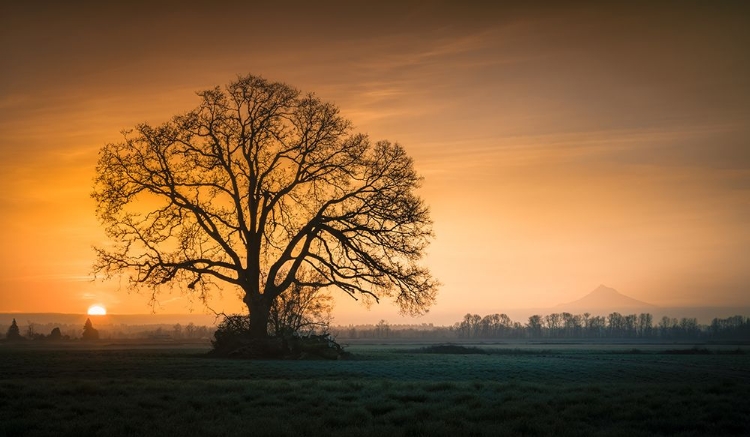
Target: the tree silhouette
pixel 13 333
pixel 535 325
pixel 256 186
pixel 89 332
pixel 382 329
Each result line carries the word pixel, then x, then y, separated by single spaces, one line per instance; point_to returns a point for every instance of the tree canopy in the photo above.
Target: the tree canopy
pixel 13 332
pixel 262 188
pixel 89 332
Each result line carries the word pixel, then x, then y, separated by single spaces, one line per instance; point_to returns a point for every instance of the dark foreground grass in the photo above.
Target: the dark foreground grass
pixel 137 392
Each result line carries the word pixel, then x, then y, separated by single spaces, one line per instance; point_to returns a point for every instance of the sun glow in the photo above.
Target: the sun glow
pixel 97 310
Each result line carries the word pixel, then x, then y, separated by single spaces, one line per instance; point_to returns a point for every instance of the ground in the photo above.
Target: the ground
pixel 514 389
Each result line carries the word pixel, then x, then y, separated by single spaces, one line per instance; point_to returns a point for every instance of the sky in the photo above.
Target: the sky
pixel 563 146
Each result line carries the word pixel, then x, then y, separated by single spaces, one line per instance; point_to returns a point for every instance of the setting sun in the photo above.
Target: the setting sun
pixel 97 310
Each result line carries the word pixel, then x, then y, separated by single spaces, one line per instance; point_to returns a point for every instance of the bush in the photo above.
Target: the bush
pixel 232 339
pixel 231 333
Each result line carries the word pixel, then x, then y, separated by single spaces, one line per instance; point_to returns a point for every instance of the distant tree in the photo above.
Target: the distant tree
pixel 689 326
pixel 674 327
pixel 254 186
pixel 630 324
pixel 554 322
pixel 645 324
pixel 597 326
pixel 13 334
pixel 55 334
pixel 89 332
pixel 664 325
pixel 616 324
pixel 572 324
pixel 190 330
pixel 535 326
pixel 506 325
pixel 475 321
pixel 464 327
pixel 495 325
pixel 586 322
pixel 470 326
pixel 382 329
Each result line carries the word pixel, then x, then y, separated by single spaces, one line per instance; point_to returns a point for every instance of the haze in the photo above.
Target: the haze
pixel 562 146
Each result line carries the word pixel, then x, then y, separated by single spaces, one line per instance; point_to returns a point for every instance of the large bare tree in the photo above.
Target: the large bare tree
pixel 256 186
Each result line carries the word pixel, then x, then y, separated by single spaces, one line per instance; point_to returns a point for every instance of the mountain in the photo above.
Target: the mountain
pixel 606 300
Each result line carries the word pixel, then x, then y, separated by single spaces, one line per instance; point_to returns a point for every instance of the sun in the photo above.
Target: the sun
pixel 97 310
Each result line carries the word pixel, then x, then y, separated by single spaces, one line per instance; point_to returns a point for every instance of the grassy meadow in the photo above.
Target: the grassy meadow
pixel 514 389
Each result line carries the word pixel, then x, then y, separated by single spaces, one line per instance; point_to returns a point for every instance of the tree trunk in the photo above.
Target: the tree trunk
pixel 259 308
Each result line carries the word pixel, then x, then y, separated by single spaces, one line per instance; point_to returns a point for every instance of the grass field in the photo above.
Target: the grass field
pixel 382 390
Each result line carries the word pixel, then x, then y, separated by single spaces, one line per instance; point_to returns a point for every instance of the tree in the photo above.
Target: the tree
pixel 630 324
pixel 616 324
pixel 553 323
pixel 535 325
pixel 586 323
pixel 13 333
pixel 89 332
pixel 570 324
pixel 382 329
pixel 31 333
pixel 255 186
pixel 597 325
pixel 664 325
pixel 645 324
pixel 490 325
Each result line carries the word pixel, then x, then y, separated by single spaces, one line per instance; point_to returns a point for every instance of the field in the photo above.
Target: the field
pixel 513 389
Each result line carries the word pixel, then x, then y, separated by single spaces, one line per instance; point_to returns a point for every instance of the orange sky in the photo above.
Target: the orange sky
pixel 562 147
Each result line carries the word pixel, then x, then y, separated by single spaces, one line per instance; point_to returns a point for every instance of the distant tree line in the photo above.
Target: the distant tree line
pixel 170 332
pixel 472 326
pixel 560 326
pixel 33 332
pixel 615 325
pixel 384 330
pixel 36 331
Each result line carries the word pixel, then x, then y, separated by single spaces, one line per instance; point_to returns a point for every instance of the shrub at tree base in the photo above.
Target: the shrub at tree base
pixel 233 339
pixel 316 346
